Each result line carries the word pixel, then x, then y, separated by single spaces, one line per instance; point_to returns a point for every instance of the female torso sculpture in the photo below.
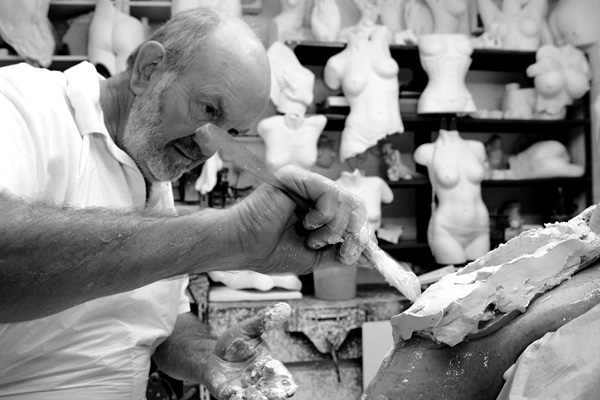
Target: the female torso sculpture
pixel 372 189
pixel 368 77
pixel 517 24
pixel 459 226
pixel 446 59
pixel 291 139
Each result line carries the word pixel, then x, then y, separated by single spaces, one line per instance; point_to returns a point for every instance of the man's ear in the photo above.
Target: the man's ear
pixel 150 59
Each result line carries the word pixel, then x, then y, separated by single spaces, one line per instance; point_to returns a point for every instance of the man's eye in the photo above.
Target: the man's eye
pixel 210 110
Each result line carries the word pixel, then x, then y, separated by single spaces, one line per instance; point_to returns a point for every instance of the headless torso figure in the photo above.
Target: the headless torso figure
pixel 449 16
pixel 459 226
pixel 368 77
pixel 517 24
pixel 113 35
pixel 292 84
pixel 372 189
pixel 291 139
pixel 446 59
pixel 289 24
pixel 560 76
pixel 369 15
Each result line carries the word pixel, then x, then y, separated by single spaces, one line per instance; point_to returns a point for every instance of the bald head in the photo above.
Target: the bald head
pixel 185 35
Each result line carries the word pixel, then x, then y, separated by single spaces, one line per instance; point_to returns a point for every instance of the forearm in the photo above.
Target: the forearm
pixel 184 353
pixel 53 258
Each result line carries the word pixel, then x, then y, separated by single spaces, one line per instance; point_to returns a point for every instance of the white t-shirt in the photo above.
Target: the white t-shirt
pixel 54 146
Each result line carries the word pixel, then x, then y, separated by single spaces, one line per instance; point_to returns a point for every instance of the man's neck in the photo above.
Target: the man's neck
pixel 115 100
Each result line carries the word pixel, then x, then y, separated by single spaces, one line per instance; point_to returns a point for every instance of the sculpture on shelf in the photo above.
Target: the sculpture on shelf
pixel 292 84
pixel 418 17
pixel 544 159
pixel 449 16
pixel 113 36
pixel 233 7
pixel 25 26
pixel 575 22
pixel 368 76
pixel 396 168
pixel 459 226
pixel 207 180
pixel 325 20
pixel 369 16
pixel 372 189
pixel 390 14
pixel 241 280
pixel 446 59
pixel 327 153
pixel 516 24
pixel 561 75
pixel 289 23
pixel 291 139
pixel 518 102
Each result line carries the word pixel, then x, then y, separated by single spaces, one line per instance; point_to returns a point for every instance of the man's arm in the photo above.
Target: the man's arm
pixel 53 258
pixel 184 354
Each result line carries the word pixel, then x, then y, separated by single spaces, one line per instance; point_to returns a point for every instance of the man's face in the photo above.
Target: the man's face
pixel 228 87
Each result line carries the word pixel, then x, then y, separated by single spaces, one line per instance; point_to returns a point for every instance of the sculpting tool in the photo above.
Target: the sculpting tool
pixel 401 278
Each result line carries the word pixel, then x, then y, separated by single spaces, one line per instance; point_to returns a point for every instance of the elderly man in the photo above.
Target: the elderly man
pixel 93 260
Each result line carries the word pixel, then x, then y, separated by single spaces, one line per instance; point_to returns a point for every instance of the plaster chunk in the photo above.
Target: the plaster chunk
pixel 501 281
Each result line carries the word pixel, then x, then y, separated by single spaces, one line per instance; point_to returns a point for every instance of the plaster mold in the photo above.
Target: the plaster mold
pixel 503 280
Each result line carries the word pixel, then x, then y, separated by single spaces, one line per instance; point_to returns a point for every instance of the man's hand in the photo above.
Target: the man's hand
pixel 276 237
pixel 242 366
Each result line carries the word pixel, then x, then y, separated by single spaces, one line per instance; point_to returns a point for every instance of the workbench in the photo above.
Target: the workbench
pixel 321 344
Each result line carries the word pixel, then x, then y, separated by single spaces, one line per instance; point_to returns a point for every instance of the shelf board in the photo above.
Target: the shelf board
pixel 415 122
pixel 542 182
pixel 317 53
pixel 153 10
pixel 498 183
pixel 408 244
pixel 66 9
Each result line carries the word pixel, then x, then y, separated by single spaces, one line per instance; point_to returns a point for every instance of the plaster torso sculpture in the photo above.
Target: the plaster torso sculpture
pixel 25 26
pixel 372 189
pixel 113 35
pixel 449 16
pixel 208 178
pixel 446 59
pixel 291 83
pixel 232 7
pixel 459 226
pixel 560 75
pixel 575 22
pixel 390 13
pixel 325 20
pixel 517 24
pixel 291 139
pixel 369 15
pixel 289 23
pixel 241 280
pixel 518 103
pixel 368 77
